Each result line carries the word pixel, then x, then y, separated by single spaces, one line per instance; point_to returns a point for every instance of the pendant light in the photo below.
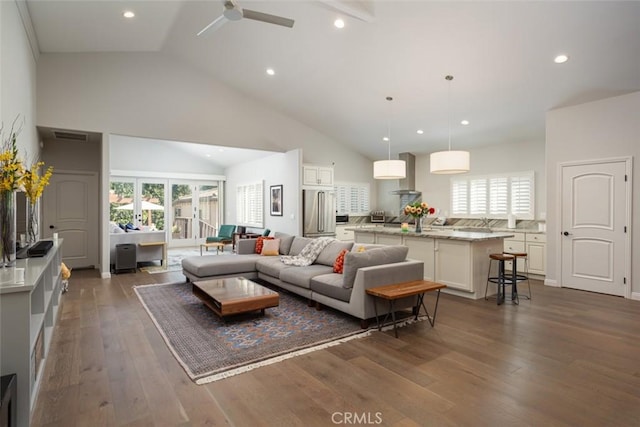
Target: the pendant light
pixel 449 162
pixel 389 169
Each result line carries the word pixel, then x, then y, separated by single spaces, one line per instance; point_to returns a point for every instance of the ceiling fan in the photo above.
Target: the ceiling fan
pixel 233 12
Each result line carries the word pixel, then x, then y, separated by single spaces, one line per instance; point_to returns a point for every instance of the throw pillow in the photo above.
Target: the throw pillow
pixel 260 243
pixel 338 266
pixel 271 247
pixel 361 249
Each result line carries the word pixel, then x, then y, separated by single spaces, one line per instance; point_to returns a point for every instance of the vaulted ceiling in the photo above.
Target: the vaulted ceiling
pixel 336 80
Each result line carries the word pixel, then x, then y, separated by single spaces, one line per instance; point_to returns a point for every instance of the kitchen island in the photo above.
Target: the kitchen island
pixel 458 259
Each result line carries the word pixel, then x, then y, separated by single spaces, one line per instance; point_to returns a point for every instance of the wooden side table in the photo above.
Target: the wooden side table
pixel 397 291
pixel 164 250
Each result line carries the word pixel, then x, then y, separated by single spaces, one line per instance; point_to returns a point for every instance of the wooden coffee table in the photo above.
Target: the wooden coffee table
pixel 235 295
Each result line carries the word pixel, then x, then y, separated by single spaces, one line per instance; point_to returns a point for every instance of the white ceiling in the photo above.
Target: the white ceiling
pixel 500 54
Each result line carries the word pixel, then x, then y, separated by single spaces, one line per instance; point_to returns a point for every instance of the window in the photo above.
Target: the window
pixel 493 196
pixel 352 198
pixel 249 204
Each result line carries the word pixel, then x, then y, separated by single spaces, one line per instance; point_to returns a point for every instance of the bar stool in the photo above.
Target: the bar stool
pixel 525 276
pixel 502 279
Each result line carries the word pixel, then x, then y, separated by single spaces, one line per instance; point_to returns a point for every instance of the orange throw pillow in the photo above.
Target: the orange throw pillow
pixel 338 265
pixel 260 243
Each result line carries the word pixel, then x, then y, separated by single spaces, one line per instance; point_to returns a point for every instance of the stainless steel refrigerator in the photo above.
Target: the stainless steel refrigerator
pixel 319 213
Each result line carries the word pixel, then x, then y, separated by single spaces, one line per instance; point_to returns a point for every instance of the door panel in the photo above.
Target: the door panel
pixel 593 220
pixel 70 208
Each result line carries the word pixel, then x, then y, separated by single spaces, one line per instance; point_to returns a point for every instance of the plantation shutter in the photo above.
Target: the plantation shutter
pixel 459 194
pixel 522 196
pixel 498 196
pixel 249 204
pixel 478 196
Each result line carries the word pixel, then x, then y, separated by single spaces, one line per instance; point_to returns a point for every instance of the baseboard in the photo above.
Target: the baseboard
pixel 550 282
pixel 635 296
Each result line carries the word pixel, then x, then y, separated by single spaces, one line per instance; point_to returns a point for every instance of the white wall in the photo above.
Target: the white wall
pixel 17 80
pixel 596 130
pixel 153 155
pixel 146 95
pixel 502 158
pixel 277 169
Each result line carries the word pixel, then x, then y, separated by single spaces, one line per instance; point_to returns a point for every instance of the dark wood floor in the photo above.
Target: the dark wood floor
pixel 567 358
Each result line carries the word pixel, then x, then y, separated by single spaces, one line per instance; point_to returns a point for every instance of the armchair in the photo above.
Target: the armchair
pixel 225 234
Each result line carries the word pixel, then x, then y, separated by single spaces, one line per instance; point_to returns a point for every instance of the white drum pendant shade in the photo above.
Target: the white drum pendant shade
pixel 389 169
pixel 449 162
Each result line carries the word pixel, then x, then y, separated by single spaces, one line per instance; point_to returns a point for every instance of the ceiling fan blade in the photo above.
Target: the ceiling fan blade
pixel 215 24
pixel 265 17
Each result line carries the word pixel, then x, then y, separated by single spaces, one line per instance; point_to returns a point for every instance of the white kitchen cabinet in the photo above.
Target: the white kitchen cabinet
pixel 422 249
pixel 343 234
pixel 386 239
pixel 317 175
pixel 452 264
pixel 536 245
pixel 361 237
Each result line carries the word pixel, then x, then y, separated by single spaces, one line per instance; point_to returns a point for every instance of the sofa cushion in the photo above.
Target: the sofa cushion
pixel 285 242
pixel 271 247
pixel 331 251
pixel 205 266
pixel 298 245
pixel 271 266
pixel 376 256
pixel 301 276
pixel 338 265
pixel 260 243
pixel 331 285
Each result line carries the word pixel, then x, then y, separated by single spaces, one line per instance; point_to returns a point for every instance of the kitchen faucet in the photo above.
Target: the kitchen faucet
pixel 485 222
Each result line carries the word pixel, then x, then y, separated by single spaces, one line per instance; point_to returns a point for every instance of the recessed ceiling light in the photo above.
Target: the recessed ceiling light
pixel 419 131
pixel 464 122
pixel 339 23
pixel 208 155
pixel 385 139
pixel 128 14
pixel 271 71
pixel 561 59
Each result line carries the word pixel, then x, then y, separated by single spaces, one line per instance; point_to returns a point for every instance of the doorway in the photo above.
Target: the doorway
pixel 138 202
pixel 595 243
pixel 196 210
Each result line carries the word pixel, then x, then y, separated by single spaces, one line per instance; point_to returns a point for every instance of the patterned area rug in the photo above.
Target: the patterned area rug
pixel 209 350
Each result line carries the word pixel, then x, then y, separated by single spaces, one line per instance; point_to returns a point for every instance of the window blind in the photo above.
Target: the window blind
pixel 495 196
pixel 249 204
pixel 352 198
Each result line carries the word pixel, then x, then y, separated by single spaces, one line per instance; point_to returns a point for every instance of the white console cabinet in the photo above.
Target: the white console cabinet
pixel 29 301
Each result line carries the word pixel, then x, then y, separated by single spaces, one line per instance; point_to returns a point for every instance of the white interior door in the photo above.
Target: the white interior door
pixel 70 208
pixel 594 202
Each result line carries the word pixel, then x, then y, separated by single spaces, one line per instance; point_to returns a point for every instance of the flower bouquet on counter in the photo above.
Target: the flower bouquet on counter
pixel 417 210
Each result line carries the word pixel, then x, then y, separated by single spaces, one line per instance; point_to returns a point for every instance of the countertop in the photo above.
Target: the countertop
pixel 440 233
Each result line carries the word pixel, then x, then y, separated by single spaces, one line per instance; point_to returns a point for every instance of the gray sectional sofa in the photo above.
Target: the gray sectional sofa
pixel 365 266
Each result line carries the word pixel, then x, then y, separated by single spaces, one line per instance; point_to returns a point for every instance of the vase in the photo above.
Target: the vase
pixel 32 222
pixel 419 224
pixel 7 228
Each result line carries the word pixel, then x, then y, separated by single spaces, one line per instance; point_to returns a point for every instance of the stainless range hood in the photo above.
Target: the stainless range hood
pixel 407 186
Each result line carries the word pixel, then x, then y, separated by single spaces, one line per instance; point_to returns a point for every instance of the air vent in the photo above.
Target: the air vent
pixel 70 136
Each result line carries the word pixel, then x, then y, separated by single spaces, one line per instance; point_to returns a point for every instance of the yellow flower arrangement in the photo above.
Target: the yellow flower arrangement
pixel 418 209
pixel 11 168
pixel 34 183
